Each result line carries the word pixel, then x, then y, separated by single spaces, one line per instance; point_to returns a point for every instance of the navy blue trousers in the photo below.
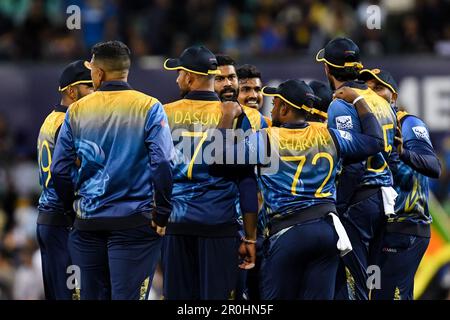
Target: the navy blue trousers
pixel 55 260
pixel 116 265
pixel 301 263
pixel 399 259
pixel 364 223
pixel 197 267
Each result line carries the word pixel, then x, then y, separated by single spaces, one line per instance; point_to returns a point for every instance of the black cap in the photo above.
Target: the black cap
pixel 382 76
pixel 294 92
pixel 323 93
pixel 75 73
pixel 196 59
pixel 340 53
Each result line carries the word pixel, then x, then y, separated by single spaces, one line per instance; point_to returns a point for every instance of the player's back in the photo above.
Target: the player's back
pixel 108 129
pixel 49 200
pixel 198 197
pixel 343 116
pixel 307 159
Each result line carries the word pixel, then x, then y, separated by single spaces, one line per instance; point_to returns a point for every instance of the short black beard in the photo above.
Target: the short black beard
pixel 233 98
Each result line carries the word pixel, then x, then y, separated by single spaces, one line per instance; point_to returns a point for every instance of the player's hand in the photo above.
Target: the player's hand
pixel 346 93
pixel 247 252
pixel 231 109
pixel 159 230
pixel 398 139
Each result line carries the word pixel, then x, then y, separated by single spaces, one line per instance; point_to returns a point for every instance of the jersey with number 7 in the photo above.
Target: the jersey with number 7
pixel 199 197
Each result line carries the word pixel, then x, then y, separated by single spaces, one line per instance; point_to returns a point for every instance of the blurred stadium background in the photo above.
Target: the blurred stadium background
pixel 280 37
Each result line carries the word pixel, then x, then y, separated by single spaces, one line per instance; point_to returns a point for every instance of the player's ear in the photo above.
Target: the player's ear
pixel 394 98
pixel 71 92
pixel 101 74
pixel 284 109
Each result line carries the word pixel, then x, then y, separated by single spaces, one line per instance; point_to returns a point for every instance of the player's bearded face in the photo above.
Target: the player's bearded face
pixel 226 84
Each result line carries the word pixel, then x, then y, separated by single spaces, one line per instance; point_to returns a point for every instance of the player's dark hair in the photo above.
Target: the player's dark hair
pixel 224 60
pixel 115 55
pixel 344 74
pixel 247 71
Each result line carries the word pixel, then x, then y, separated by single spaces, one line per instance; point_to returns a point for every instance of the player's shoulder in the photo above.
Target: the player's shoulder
pixel 52 122
pixel 254 116
pixel 414 128
pixel 141 97
pixel 85 101
pixel 268 121
pixel 408 119
pixel 174 104
pixel 318 126
pixel 339 105
pixel 250 111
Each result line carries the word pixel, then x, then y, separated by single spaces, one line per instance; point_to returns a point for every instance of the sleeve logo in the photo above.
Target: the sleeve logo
pixel 421 133
pixel 344 123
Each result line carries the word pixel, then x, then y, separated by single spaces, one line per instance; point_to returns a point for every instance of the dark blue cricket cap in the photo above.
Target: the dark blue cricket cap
pixel 340 53
pixel 384 77
pixel 195 59
pixel 75 73
pixel 323 93
pixel 294 92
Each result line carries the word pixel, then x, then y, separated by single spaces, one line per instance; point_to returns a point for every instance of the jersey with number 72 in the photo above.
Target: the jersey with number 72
pixel 298 163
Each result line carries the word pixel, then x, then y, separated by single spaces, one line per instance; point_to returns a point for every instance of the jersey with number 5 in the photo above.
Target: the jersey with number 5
pixel 343 116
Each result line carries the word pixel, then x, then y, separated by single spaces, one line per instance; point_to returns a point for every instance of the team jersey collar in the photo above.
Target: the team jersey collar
pixel 202 95
pixel 355 84
pixel 61 108
pixel 115 86
pixel 295 125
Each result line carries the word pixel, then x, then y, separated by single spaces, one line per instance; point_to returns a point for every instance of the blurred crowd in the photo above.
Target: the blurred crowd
pixel 20 266
pixel 36 29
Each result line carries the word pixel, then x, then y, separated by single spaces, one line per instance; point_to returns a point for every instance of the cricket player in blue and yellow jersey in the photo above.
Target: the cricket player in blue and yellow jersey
pixel 407 233
pixel 122 189
pixel 227 86
pixel 298 163
pixel 364 193
pixel 54 220
pixel 200 254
